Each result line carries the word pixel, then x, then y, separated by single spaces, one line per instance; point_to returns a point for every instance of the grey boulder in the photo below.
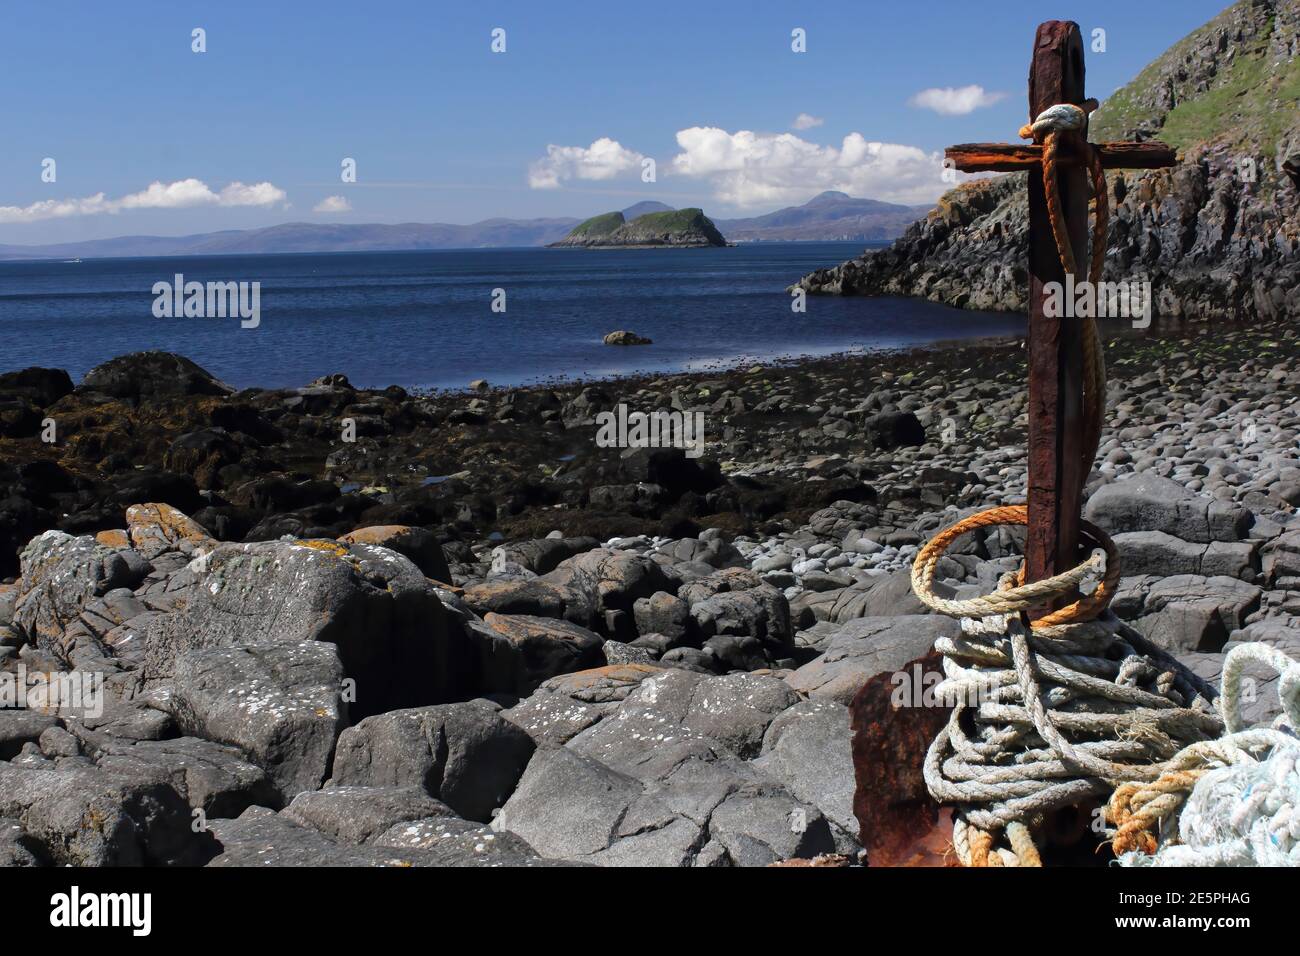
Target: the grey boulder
pixel 462 754
pixel 281 704
pixel 1150 502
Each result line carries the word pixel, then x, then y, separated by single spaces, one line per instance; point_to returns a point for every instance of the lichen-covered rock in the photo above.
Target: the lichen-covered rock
pixel 373 604
pixel 155 528
pixel 281 704
pixel 262 837
pixel 62 574
pixel 734 710
pixel 450 841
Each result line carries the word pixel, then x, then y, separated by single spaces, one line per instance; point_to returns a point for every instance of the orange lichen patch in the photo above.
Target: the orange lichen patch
pixel 823 859
pixel 455 589
pixel 324 544
pixel 155 526
pixel 116 538
pixel 623 673
pixel 378 535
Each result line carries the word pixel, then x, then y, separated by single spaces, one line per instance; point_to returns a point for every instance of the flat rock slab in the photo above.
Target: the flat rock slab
pixel 360 814
pixel 1155 552
pixel 868 646
pixel 262 837
pixel 571 806
pixel 449 841
pixel 734 710
pixel 211 777
pixel 566 705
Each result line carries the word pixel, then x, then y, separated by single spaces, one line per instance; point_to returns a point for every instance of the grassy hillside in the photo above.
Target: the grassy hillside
pixel 677 220
pixel 1229 81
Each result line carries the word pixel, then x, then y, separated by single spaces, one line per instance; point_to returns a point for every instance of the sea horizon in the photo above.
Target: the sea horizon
pixel 436 319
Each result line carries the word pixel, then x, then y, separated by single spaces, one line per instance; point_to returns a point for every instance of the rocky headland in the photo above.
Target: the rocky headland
pixel 1217 236
pixel 471 636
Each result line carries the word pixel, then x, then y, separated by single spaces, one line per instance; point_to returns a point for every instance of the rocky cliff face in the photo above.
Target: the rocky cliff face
pixel 684 228
pixel 1217 236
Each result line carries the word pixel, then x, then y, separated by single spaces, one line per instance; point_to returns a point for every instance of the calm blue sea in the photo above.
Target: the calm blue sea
pixel 425 318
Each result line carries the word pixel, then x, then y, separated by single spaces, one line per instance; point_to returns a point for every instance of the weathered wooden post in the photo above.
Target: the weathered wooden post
pixel 1056 471
pixel 1057 466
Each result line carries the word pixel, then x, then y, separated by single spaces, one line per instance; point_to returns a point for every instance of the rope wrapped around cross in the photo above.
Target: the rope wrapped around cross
pixel 1063 709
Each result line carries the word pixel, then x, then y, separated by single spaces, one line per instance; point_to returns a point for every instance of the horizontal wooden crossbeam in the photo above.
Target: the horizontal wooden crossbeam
pixel 1007 157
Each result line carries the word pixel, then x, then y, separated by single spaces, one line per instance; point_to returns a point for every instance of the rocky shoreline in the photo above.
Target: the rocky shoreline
pixel 473 636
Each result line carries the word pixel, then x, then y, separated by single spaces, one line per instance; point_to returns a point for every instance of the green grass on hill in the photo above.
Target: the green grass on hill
pixel 676 220
pixel 601 225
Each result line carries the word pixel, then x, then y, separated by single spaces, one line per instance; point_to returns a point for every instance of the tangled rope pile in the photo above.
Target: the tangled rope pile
pixel 1049 713
pixel 1236 800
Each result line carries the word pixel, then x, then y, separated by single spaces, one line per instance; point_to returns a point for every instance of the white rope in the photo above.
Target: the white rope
pixel 1244 810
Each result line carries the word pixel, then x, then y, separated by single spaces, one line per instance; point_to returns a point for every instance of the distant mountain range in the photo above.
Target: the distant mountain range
pixel 830 215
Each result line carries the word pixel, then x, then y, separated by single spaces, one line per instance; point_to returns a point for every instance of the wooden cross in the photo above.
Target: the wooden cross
pixel 1056 472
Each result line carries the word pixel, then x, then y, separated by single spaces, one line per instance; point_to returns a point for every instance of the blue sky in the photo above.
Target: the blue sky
pixel 443 129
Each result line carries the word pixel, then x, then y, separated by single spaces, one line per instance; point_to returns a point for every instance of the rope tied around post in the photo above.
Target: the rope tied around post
pixel 1052 711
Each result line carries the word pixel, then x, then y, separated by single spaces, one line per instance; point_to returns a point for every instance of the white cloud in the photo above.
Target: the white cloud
pixel 333 204
pixel 181 194
pixel 603 159
pixel 754 169
pixel 806 121
pixel 955 100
